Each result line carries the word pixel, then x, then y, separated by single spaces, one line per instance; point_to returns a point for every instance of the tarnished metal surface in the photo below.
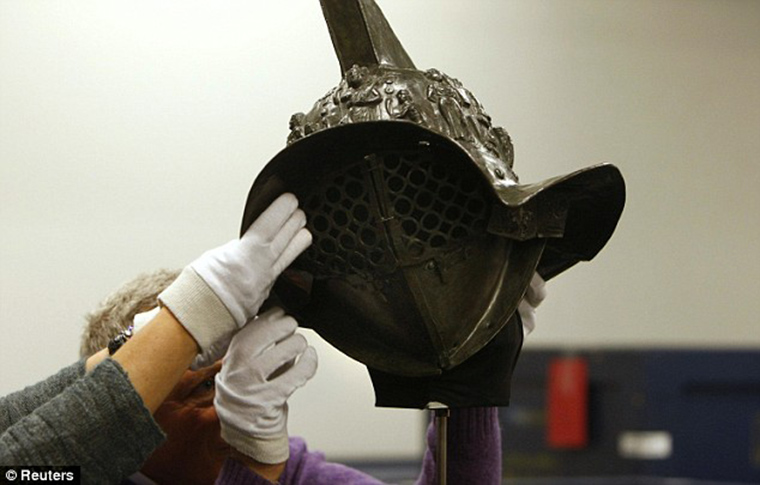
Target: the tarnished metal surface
pixel 424 238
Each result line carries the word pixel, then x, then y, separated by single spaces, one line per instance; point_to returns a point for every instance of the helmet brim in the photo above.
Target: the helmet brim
pixel 593 197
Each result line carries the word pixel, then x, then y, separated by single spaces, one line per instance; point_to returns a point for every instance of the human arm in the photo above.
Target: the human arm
pixel 157 357
pixel 473 451
pixel 212 298
pixel 107 427
pixel 218 293
pixel 474 457
pixel 266 362
pixel 98 423
pixel 251 401
pixel 19 404
pixel 102 421
pixel 304 467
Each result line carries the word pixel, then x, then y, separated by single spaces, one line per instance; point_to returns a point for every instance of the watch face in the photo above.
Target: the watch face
pixel 116 342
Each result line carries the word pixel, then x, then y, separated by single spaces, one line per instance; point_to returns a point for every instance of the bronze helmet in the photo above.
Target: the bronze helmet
pixel 424 240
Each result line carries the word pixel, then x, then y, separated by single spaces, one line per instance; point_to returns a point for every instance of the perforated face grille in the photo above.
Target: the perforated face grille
pixel 391 209
pixel 348 237
pixel 438 208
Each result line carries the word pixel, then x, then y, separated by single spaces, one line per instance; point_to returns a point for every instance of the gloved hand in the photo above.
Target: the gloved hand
pixel 534 295
pixel 265 363
pixel 220 291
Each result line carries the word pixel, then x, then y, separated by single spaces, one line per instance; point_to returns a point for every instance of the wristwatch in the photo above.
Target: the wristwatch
pixel 120 339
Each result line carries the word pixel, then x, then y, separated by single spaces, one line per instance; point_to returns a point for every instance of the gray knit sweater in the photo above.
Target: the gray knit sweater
pixel 96 421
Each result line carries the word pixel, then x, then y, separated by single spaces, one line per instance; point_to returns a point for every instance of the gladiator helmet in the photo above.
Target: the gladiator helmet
pixel 424 240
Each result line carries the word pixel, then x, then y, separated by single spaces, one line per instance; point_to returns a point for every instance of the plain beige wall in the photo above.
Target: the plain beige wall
pixel 130 133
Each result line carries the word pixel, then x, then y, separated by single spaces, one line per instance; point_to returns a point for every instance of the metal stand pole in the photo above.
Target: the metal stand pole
pixel 441 429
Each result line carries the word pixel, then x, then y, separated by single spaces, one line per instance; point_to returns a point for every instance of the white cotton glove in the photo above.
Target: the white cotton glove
pixel 205 359
pixel 265 363
pixel 533 297
pixel 220 291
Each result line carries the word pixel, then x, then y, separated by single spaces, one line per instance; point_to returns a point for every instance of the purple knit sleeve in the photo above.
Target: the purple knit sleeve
pixel 310 468
pixel 303 468
pixel 474 457
pixel 235 473
pixel 473 451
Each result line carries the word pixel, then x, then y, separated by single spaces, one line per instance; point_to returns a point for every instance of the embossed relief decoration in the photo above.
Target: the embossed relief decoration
pixel 431 99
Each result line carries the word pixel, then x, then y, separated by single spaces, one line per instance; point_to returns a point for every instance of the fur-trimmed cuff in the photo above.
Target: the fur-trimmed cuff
pixel 198 308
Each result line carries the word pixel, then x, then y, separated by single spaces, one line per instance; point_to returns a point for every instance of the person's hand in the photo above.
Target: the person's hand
pixel 222 290
pixel 533 297
pixel 265 363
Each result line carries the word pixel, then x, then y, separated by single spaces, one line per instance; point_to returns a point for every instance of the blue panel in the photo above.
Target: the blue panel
pixel 709 402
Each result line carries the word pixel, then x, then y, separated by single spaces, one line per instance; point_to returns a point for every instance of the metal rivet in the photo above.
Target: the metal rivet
pixel 430 266
pixel 499 173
